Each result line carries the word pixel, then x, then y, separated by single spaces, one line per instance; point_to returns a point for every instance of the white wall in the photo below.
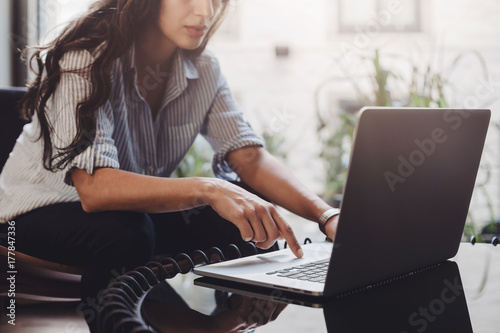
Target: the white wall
pixel 59 13
pixel 5 56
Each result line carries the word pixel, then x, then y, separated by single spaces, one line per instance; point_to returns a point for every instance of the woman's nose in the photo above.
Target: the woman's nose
pixel 204 8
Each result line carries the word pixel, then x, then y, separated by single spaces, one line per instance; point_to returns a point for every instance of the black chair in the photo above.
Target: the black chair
pixel 11 123
pixel 36 279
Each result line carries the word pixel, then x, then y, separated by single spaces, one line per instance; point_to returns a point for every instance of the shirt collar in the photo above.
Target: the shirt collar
pixel 190 70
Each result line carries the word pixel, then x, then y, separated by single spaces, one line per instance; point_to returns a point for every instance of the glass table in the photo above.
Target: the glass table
pixel 460 295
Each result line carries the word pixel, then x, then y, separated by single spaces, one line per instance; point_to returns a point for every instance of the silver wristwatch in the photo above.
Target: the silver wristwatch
pixel 327 215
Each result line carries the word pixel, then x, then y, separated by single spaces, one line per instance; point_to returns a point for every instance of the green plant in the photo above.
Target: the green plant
pixel 274 144
pixel 334 153
pixel 197 162
pixel 408 82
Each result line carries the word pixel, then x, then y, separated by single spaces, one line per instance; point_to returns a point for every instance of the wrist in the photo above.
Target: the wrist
pixel 317 208
pixel 327 216
pixel 207 188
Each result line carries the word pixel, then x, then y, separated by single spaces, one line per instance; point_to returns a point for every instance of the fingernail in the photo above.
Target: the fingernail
pixel 248 239
pixel 300 252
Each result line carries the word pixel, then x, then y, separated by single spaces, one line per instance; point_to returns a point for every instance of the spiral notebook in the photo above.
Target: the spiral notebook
pixel 410 180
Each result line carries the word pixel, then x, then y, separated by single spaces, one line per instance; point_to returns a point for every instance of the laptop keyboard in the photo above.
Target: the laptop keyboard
pixel 314 271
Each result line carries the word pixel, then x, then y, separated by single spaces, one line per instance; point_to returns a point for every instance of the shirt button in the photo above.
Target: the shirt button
pixel 151 169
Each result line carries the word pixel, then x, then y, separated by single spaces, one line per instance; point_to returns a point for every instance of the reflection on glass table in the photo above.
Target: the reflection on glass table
pixel 461 295
pixel 233 313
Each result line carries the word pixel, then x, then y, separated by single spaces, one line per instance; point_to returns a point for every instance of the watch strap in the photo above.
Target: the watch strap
pixel 326 216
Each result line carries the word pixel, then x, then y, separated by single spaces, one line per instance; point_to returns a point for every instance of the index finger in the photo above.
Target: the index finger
pixel 287 232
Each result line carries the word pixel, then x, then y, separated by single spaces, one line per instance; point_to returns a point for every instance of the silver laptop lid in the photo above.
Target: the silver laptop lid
pixel 411 176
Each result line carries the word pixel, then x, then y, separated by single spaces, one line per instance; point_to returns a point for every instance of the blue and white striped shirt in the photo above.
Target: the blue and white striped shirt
pixel 197 100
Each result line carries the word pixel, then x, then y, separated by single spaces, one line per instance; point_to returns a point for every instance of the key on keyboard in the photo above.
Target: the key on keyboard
pixel 313 271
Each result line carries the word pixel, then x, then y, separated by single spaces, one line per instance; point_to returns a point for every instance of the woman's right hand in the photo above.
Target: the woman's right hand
pixel 257 219
pixel 110 189
pixel 245 313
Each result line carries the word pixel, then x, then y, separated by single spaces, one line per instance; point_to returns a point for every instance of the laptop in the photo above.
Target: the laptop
pixel 410 180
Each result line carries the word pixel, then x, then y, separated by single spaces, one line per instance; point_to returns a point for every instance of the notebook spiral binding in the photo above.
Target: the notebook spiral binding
pixel 120 303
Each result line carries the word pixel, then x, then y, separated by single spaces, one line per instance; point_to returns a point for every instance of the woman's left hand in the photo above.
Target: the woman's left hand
pixel 331 227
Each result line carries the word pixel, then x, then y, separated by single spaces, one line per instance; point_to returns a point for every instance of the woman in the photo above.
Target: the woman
pixel 118 99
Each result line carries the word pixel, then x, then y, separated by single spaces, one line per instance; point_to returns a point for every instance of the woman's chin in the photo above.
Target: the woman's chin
pixel 191 44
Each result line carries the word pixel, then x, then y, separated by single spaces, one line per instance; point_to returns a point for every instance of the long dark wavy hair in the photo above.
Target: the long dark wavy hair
pixel 114 24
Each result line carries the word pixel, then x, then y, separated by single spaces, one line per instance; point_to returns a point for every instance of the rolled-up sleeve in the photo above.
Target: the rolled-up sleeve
pixel 226 129
pixel 73 89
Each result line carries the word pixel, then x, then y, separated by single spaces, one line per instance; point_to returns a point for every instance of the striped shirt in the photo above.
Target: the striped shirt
pixel 196 101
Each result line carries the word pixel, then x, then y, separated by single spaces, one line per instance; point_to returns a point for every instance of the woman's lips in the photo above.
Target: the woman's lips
pixel 196 30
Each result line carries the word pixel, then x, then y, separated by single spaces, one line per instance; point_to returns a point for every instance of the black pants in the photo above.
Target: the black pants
pixel 108 244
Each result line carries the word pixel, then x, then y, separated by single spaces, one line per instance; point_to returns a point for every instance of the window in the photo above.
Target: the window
pixel 56 14
pixel 379 16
